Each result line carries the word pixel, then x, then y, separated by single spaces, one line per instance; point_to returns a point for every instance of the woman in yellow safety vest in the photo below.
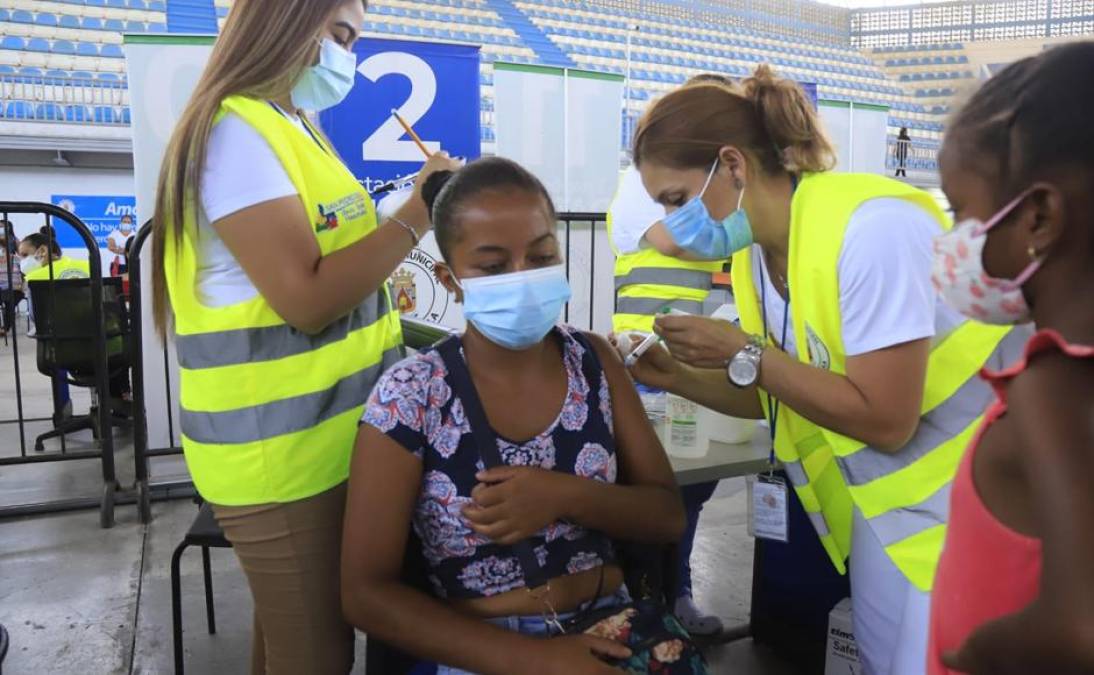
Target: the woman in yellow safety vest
pixel 869 382
pixel 272 265
pixel 39 252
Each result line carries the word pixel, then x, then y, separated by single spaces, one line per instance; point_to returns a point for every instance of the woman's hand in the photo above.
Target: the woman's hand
pixel 576 655
pixel 512 503
pixel 438 161
pixel 699 341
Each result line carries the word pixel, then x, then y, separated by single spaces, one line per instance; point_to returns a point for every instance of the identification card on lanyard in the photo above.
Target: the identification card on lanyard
pixel 768 500
pixel 768 512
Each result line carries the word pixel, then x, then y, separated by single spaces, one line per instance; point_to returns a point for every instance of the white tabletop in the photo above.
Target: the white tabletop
pixel 725 461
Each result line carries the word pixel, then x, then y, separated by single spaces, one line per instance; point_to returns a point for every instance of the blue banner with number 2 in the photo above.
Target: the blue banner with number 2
pixel 435 88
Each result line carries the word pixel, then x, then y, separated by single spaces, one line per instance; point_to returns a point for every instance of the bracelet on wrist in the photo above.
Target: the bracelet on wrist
pixel 410 230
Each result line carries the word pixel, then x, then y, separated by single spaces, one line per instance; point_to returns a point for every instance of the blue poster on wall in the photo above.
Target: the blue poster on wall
pixel 100 213
pixel 434 87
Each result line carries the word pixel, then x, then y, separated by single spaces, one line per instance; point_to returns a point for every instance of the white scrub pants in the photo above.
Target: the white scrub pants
pixel 890 615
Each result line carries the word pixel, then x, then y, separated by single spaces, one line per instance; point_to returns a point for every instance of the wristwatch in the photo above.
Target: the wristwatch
pixel 744 368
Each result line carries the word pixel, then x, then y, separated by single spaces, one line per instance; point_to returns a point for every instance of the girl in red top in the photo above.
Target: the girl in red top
pixel 1015 585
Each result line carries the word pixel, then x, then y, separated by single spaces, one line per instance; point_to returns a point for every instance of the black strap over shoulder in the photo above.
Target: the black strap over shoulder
pixel 487 442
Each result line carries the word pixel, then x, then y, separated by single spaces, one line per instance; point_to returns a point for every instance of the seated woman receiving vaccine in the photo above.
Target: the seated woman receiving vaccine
pixel 576 463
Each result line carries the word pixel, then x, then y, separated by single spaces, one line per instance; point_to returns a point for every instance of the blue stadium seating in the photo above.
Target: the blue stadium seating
pixel 87 49
pixel 76 113
pixel 18 110
pixel 12 42
pixel 112 50
pixel 38 45
pixel 63 47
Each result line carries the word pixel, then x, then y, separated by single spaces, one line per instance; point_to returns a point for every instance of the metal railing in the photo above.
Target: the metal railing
pixel 105 454
pixel 43 98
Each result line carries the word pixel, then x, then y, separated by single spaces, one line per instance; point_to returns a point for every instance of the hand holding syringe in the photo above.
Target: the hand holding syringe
pixel 649 341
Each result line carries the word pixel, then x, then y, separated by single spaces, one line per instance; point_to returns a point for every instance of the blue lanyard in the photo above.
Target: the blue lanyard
pixel 304 123
pixel 772 403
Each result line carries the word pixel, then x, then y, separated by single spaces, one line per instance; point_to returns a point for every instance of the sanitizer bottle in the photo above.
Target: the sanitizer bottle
pixel 686 428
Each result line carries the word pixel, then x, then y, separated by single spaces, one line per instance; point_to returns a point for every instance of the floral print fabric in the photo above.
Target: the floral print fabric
pixel 414 404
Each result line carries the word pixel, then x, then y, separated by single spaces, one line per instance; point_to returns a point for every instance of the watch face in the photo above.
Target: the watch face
pixel 742 372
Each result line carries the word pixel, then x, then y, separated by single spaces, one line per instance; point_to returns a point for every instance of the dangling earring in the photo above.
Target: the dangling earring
pixel 1032 251
pixel 738 183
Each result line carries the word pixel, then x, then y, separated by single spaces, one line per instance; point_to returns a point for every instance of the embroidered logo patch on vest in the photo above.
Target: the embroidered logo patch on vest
pixel 818 353
pixel 346 209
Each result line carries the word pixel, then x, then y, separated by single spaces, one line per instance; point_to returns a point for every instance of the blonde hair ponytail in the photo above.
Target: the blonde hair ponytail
pixel 790 121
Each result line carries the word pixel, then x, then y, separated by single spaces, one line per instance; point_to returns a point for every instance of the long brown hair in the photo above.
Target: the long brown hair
pixel 767 118
pixel 263 49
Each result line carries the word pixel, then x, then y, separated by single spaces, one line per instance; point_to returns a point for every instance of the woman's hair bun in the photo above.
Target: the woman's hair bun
pixel 433 186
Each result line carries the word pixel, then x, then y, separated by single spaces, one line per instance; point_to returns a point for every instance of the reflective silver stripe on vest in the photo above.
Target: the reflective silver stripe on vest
pixel 665 276
pixel 899 524
pixel 819 523
pixel 938 426
pixel 796 472
pixel 253 345
pixel 653 306
pixel 288 415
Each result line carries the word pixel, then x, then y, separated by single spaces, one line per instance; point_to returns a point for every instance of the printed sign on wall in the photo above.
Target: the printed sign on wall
pixel 435 89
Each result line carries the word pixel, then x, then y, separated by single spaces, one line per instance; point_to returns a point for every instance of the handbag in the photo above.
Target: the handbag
pixel 658 641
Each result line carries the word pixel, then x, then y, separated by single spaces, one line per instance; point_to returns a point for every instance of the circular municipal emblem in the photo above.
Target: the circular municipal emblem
pixel 416 291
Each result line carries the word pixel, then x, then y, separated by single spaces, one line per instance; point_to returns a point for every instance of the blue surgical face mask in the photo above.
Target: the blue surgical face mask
pixel 516 310
pixel 697 232
pixel 327 83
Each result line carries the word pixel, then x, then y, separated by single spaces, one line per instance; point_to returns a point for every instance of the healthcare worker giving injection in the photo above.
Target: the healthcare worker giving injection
pixel 271 270
pixel 869 382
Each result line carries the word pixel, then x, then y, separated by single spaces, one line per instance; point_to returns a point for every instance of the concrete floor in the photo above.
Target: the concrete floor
pixel 79 599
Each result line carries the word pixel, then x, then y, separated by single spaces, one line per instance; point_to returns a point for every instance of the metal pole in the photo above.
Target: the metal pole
pixel 627 88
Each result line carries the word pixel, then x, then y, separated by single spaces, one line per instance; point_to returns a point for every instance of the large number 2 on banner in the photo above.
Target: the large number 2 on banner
pixel 386 144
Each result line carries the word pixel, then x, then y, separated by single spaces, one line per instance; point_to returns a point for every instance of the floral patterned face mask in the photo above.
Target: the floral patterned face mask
pixel 959 276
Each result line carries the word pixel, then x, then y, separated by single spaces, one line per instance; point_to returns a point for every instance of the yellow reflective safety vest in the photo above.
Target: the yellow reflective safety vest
pixel 268 413
pixel 648 281
pixel 63 268
pixel 903 496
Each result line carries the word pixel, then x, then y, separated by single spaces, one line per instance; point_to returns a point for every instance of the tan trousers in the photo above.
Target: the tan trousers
pixel 290 554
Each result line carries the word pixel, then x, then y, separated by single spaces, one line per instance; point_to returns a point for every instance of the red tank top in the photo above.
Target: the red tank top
pixel 986 570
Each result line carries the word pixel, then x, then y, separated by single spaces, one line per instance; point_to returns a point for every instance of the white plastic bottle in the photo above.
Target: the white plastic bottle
pixel 685 428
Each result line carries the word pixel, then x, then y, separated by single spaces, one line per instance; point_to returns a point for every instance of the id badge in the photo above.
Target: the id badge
pixel 769 515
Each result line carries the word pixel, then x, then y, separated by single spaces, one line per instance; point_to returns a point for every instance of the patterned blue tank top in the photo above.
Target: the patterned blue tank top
pixel 414 404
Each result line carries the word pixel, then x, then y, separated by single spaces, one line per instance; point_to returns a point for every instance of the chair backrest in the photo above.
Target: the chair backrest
pixel 65 327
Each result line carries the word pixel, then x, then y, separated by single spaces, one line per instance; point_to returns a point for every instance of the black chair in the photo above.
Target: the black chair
pixel 65 333
pixel 206 533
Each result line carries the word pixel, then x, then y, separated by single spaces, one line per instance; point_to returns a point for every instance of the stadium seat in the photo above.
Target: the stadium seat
pixel 92 23
pixel 45 19
pixel 22 16
pixel 115 25
pixel 113 51
pixel 49 112
pixel 87 49
pixel 76 113
pixel 18 110
pixel 37 45
pixel 104 115
pixel 12 42
pixel 63 47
